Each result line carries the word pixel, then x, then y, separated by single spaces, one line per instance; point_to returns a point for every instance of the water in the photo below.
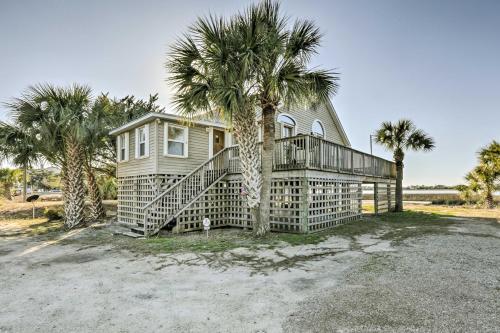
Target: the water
pixel 449 191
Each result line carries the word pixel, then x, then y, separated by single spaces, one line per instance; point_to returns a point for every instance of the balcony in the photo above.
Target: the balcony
pixel 313 153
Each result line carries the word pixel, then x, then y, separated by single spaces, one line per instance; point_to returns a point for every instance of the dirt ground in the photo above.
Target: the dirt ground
pixel 433 271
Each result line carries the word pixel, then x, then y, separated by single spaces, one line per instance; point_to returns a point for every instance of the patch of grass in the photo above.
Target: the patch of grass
pixel 46 227
pixel 29 227
pixel 411 224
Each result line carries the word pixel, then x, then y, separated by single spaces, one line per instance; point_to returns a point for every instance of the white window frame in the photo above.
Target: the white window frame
pixel 125 147
pixel 166 140
pixel 283 125
pixel 322 126
pixel 146 143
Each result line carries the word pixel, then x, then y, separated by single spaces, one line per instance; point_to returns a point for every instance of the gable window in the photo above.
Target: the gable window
pixel 176 140
pixel 287 125
pixel 318 129
pixel 142 142
pixel 122 145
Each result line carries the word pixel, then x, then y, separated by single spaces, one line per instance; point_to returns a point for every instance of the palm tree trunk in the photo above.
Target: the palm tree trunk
pixel 399 186
pixel 247 135
pixel 96 207
pixel 7 190
pixel 268 113
pixel 490 203
pixel 25 182
pixel 74 188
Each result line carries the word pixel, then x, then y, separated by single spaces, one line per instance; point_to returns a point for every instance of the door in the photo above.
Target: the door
pixel 218 141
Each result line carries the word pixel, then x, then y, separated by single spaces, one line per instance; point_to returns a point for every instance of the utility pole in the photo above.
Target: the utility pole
pixel 371 143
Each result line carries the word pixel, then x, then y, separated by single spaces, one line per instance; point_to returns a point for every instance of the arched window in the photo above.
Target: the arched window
pixel 317 129
pixel 287 125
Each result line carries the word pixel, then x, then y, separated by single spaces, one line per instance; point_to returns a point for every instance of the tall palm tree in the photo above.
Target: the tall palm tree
pixel 209 71
pixel 278 56
pixel 484 178
pixel 20 146
pixel 56 115
pixel 399 137
pixel 93 134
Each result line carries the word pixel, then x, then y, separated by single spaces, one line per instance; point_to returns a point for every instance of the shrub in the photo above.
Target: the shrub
pixel 53 213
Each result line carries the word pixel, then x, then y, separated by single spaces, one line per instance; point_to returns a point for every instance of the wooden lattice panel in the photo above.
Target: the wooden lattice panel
pixel 332 201
pixel 382 197
pixel 134 192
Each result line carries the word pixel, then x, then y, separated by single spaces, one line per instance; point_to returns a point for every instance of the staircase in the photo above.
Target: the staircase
pixel 171 203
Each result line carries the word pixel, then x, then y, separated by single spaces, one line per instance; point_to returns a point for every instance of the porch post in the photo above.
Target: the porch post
pixel 307 150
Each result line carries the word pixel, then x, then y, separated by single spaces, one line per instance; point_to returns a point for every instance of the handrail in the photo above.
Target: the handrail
pixel 168 204
pixel 305 151
pixel 183 179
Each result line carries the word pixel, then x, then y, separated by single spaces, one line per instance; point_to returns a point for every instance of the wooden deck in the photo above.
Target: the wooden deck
pixel 306 152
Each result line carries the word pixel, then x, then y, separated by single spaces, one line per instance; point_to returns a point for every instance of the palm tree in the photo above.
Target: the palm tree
pixel 484 178
pixel 55 115
pixel 20 146
pixel 7 178
pixel 399 137
pixel 208 69
pixel 277 58
pixel 93 134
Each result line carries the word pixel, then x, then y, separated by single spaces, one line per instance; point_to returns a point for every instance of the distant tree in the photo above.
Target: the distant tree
pixel 485 177
pixel 19 145
pixel 108 187
pixel 400 137
pixel 9 177
pixel 466 193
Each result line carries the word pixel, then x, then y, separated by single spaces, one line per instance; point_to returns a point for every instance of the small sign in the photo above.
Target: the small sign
pixel 206 223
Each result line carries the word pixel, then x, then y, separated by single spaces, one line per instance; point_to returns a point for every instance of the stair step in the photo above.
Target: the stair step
pixel 132 234
pixel 137 230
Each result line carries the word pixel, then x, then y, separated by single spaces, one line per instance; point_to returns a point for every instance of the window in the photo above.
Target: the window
pixel 142 142
pixel 317 129
pixel 122 145
pixel 176 140
pixel 287 125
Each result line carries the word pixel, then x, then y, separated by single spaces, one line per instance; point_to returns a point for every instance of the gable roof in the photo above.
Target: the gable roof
pixel 166 116
pixel 337 122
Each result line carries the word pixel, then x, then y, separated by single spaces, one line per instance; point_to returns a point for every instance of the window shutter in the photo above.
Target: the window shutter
pixel 136 143
pixel 165 138
pixel 118 148
pixel 186 141
pixel 146 131
pixel 126 146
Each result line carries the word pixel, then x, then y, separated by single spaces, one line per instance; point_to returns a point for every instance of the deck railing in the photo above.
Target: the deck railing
pixel 310 152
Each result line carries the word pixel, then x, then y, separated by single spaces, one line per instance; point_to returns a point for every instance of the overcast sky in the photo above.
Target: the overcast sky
pixel 435 62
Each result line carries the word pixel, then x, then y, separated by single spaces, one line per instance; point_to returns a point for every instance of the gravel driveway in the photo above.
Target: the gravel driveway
pixel 443 282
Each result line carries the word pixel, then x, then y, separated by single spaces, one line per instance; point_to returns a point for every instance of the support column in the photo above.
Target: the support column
pixel 389 205
pixel 304 205
pixel 375 197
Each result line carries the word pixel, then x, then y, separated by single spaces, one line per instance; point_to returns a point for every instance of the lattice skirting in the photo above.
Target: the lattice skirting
pixel 385 197
pixel 301 201
pixel 135 192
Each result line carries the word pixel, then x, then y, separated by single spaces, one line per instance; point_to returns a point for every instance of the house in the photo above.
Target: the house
pixel 173 174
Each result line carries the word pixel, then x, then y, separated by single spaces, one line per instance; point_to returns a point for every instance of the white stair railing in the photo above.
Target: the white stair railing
pixel 169 204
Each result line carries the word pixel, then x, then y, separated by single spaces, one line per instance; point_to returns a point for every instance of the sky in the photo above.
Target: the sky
pixel 434 62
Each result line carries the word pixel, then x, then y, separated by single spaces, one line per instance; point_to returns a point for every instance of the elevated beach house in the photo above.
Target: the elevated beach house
pixel 172 174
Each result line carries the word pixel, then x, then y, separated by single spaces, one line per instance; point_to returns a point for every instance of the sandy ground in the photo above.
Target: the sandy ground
pixel 436 283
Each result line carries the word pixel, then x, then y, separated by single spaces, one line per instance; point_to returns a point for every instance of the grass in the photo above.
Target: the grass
pixel 416 221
